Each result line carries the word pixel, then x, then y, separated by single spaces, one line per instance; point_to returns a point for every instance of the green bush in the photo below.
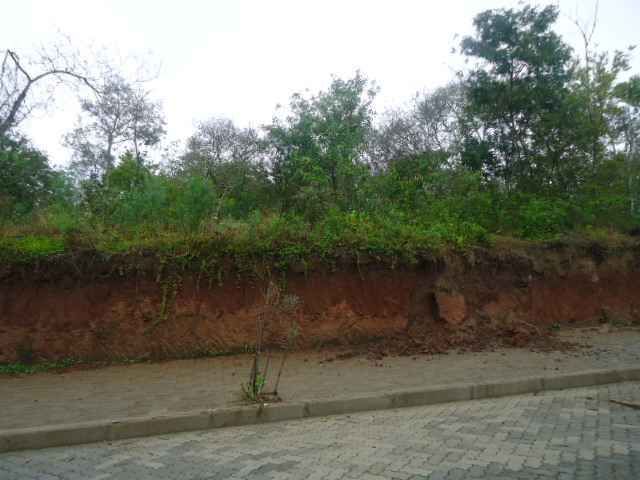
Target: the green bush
pixel 192 202
pixel 541 218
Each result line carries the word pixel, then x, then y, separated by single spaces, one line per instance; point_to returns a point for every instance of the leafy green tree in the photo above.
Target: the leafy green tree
pixel 26 179
pixel 320 143
pixel 518 93
pixel 627 123
pixel 129 175
pixel 104 195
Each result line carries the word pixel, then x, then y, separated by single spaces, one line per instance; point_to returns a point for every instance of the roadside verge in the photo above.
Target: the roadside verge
pixel 112 430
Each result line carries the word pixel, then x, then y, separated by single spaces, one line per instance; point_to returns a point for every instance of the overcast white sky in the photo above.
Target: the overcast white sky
pixel 239 58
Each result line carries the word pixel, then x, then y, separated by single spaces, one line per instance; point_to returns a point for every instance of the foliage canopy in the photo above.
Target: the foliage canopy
pixel 532 141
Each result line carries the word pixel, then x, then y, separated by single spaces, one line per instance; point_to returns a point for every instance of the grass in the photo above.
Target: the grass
pixel 21 368
pixel 274 242
pixel 24 369
pixel 30 248
pixel 279 241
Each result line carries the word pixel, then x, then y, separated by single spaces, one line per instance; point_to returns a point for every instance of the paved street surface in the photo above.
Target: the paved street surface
pixel 166 388
pixel 573 434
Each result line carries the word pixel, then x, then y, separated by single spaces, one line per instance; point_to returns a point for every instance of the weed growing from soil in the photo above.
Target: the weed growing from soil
pixel 276 307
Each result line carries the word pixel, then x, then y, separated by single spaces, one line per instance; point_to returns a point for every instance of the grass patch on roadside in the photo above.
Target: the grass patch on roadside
pixel 19 368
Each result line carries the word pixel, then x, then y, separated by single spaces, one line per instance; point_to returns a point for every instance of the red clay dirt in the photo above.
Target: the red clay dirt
pixel 462 303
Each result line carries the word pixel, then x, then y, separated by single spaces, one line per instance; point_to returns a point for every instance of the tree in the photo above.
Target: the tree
pixel 218 141
pixel 128 176
pixel 629 121
pixel 519 92
pixel 606 122
pixel 147 124
pixel 120 117
pixel 19 76
pixel 434 123
pixel 628 126
pixel 26 180
pixel 321 142
pixel 234 159
pixel 595 88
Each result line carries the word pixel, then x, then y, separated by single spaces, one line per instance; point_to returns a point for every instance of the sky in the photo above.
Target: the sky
pixel 240 58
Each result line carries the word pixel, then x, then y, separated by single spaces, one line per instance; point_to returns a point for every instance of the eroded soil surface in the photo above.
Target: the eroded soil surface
pixel 473 302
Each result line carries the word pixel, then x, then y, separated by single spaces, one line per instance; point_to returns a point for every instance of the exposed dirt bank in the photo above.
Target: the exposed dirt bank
pixel 511 297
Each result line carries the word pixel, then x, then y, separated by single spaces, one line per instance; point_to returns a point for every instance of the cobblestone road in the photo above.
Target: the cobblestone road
pixel 574 434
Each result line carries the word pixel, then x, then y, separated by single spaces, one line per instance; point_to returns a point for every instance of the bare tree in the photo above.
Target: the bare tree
pixel 20 75
pixel 232 158
pixel 120 117
pixel 218 141
pixel 227 154
pixel 586 74
pixel 432 123
pixel 147 122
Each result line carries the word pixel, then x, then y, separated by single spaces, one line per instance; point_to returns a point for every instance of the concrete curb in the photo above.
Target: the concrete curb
pixel 89 432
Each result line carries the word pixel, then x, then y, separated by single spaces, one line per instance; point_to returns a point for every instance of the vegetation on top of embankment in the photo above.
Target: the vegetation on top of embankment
pixel 279 244
pixel 532 141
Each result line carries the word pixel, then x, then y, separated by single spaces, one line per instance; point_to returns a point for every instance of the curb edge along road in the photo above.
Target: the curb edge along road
pixel 108 430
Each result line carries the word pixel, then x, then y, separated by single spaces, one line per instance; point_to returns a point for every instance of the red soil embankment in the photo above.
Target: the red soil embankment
pixel 471 298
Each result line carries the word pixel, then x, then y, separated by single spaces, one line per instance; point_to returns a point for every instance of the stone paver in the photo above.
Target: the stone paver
pixel 573 434
pixel 170 387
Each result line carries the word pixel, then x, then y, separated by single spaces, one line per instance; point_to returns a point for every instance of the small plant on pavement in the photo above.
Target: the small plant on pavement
pixel 276 305
pixel 253 389
pixel 290 303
